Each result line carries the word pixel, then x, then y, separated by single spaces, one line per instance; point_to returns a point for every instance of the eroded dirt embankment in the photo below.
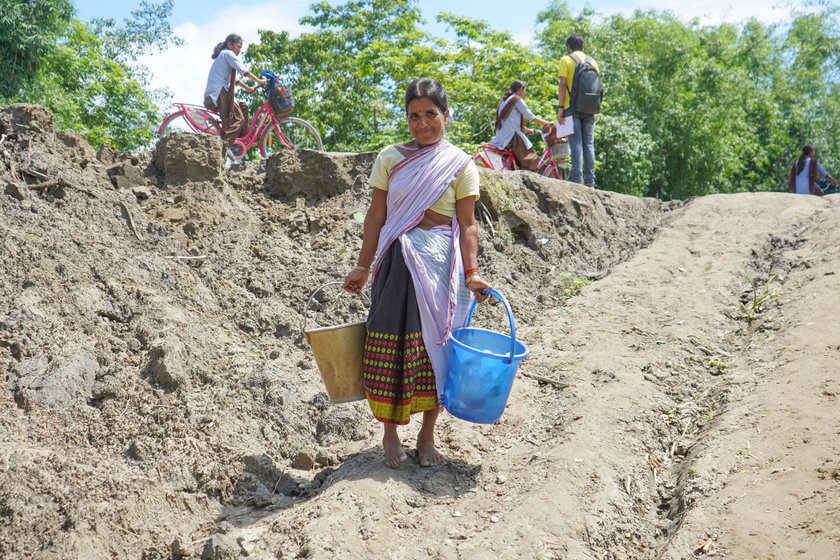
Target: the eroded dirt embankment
pixel 156 379
pixel 161 402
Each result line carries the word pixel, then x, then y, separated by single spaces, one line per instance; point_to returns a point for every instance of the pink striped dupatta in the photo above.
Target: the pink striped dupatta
pixel 433 257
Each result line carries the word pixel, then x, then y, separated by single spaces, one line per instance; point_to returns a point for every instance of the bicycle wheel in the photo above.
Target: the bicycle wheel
pixel 176 122
pixel 191 118
pixel 552 171
pixel 292 133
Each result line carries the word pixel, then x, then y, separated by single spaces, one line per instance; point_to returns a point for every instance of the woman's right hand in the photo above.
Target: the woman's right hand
pixel 477 285
pixel 356 280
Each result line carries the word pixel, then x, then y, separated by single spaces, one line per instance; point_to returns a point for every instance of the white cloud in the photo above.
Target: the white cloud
pixel 719 11
pixel 184 69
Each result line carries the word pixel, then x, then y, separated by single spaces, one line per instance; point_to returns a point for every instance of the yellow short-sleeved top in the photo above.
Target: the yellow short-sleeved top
pixel 567 70
pixel 465 185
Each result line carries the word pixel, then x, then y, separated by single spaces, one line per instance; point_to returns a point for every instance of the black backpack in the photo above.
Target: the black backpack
pixel 586 92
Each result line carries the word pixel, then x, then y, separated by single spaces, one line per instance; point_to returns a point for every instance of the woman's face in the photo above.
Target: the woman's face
pixel 236 47
pixel 521 92
pixel 425 121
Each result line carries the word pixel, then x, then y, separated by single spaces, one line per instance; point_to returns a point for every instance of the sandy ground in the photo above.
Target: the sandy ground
pixel 683 404
pixel 677 430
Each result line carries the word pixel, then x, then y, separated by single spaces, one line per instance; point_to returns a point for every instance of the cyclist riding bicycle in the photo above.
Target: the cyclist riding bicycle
pixel 219 94
pixel 511 115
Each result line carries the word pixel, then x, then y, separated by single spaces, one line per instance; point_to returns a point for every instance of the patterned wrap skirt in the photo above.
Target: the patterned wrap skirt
pixel 398 375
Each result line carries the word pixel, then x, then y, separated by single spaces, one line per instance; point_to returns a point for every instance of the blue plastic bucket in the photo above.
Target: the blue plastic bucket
pixel 482 367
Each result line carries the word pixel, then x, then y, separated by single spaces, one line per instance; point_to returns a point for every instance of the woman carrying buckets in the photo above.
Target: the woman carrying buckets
pixel 425 274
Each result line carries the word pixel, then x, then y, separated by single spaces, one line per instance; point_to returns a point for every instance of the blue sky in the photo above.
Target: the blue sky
pixel 203 23
pixel 519 20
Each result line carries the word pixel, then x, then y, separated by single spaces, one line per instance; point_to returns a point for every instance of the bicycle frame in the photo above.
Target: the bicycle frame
pixel 502 159
pixel 256 132
pixel 546 157
pixel 199 118
pixel 203 120
pixel 493 157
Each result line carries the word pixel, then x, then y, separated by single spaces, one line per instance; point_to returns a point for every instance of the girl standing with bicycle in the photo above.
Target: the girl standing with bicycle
pixel 221 85
pixel 803 176
pixel 511 115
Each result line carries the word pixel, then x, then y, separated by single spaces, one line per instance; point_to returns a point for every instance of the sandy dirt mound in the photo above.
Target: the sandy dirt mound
pixel 161 402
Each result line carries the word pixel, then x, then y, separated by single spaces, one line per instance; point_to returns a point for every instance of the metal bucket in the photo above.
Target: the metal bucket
pixel 560 150
pixel 339 354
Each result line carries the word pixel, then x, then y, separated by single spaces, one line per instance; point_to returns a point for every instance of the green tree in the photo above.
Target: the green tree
pixel 479 67
pixel 693 109
pixel 94 95
pixel 87 75
pixel 348 74
pixel 812 80
pixel 29 31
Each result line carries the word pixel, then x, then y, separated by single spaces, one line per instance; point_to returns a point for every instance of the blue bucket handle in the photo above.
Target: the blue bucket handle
pixel 498 295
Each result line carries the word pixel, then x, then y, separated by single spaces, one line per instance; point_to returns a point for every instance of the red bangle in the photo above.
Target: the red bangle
pixel 470 271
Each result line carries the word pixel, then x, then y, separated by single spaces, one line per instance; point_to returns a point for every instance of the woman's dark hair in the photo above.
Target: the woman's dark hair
pixel 232 38
pixel 807 151
pixel 514 89
pixel 427 87
pixel 575 41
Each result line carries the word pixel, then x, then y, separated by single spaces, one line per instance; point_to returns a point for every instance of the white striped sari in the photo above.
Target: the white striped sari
pixel 433 257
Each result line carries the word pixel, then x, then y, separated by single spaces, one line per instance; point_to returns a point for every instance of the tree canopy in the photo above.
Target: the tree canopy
pixel 85 72
pixel 689 108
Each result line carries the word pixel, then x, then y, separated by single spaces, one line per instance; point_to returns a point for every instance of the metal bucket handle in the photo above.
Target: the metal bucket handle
pixel 318 289
pixel 498 295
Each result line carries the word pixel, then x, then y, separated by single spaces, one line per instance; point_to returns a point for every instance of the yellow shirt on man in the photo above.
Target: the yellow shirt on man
pixel 567 70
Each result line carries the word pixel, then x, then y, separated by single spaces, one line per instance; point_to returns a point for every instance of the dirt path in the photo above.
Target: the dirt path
pixel 679 425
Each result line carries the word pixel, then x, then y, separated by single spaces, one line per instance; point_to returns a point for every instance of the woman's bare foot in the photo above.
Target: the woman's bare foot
pixel 394 452
pixel 427 453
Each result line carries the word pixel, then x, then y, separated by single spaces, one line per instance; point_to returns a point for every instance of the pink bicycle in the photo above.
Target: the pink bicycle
pixel 271 127
pixel 493 157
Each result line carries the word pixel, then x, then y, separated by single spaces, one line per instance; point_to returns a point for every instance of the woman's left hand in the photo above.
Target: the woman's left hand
pixel 477 286
pixel 355 280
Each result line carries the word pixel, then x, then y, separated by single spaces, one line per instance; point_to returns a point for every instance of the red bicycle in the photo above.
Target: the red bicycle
pixel 271 128
pixel 500 159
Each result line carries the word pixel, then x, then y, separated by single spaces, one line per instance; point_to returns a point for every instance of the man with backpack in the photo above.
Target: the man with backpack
pixel 579 94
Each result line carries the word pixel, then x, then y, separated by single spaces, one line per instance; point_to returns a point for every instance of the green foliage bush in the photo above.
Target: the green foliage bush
pixel 690 109
pixel 85 72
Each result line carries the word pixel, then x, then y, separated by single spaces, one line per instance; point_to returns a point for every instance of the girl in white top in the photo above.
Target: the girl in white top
pixel 511 115
pixel 221 84
pixel 803 175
